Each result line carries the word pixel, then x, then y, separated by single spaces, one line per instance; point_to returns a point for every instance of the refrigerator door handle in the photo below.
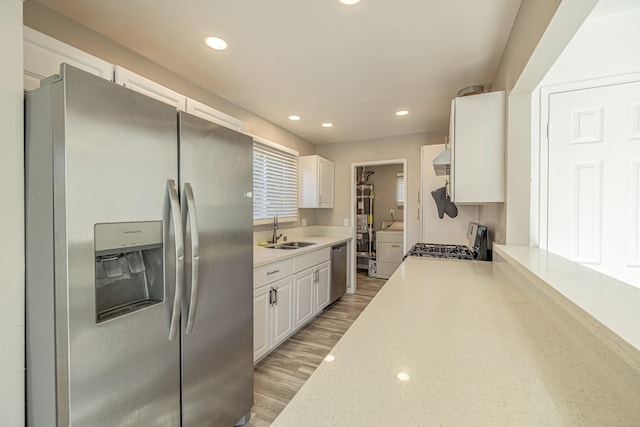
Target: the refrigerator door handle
pixel 189 206
pixel 174 204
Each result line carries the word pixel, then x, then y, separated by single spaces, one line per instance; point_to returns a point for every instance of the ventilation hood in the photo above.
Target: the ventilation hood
pixel 442 163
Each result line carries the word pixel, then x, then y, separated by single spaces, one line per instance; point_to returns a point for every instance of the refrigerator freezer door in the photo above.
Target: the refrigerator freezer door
pixel 217 354
pixel 96 153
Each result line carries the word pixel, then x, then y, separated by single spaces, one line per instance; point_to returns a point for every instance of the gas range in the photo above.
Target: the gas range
pixel 438 250
pixel 477 249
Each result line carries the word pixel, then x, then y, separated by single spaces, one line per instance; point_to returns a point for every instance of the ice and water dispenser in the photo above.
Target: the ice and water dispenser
pixel 129 267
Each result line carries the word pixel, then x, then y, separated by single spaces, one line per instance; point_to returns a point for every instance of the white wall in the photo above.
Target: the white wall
pixel 11 217
pixel 346 153
pixel 605 45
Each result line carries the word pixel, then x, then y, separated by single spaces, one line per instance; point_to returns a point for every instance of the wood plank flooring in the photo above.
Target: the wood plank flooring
pixel 279 376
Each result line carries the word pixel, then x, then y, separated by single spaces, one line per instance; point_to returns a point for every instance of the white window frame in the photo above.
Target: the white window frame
pixel 264 214
pixel 400 189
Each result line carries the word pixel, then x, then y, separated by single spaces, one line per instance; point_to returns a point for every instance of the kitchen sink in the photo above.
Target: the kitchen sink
pixel 289 245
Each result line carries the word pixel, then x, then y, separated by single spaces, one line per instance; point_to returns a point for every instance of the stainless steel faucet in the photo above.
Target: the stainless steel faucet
pixel 275 237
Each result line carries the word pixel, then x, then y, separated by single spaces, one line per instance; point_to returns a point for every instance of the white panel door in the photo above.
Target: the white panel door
pixel 261 322
pixel 323 286
pixel 304 290
pixel 594 178
pixel 477 148
pixel 325 181
pixel 282 311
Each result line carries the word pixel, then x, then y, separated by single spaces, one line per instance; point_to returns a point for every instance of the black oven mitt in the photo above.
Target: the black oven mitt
pixel 440 196
pixel 451 209
pixel 444 203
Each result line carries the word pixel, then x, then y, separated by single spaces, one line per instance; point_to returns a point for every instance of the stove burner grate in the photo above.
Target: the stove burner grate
pixel 437 250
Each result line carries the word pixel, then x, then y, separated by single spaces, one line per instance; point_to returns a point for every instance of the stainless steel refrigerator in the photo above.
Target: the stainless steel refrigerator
pixel 139 261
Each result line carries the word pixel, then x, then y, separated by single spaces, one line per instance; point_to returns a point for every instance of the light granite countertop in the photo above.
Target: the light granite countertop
pixel 613 303
pixel 451 343
pixel 263 255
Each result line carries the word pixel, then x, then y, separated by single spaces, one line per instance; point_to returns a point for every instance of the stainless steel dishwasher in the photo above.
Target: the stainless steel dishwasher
pixel 338 271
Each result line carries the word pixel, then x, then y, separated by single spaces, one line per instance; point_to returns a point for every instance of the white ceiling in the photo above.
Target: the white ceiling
pixel 352 66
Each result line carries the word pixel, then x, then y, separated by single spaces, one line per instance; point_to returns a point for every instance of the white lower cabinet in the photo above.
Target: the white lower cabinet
pixel 323 287
pixel 261 322
pixel 304 284
pixel 282 311
pixel 272 316
pixel 311 282
pixel 287 294
pixel 312 289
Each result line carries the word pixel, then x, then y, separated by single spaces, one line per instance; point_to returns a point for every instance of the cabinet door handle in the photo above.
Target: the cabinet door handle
pixel 271 296
pixel 275 301
pixel 269 273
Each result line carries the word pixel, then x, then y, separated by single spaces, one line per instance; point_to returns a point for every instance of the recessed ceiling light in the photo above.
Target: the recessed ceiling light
pixel 402 113
pixel 403 376
pixel 349 2
pixel 330 358
pixel 215 43
pixel 327 125
pixel 294 118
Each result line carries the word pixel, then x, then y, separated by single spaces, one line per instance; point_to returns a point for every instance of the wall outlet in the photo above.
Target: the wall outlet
pixel 345 222
pixel 304 222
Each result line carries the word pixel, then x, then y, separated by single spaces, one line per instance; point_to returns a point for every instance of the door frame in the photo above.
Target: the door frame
pixel 540 146
pixel 354 167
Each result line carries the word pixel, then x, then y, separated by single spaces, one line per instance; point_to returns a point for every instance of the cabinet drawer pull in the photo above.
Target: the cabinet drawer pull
pixel 395 246
pixel 269 273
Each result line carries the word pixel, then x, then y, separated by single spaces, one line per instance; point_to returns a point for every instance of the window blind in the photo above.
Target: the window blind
pixel 400 189
pixel 275 184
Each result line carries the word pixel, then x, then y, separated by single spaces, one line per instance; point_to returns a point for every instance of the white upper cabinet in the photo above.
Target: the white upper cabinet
pixel 315 181
pixel 211 114
pixel 477 135
pixel 43 56
pixel 150 88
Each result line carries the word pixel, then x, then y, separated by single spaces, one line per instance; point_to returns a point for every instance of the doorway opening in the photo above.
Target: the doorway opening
pixel 378 215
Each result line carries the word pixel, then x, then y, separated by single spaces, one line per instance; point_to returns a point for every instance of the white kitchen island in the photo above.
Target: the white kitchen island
pixel 453 343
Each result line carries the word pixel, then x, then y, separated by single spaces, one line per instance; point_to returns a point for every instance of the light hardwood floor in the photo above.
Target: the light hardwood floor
pixel 279 376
